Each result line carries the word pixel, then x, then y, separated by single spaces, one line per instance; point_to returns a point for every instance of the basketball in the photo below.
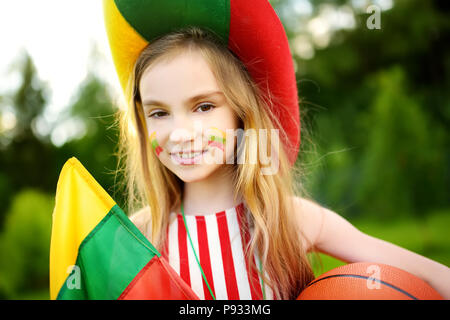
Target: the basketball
pixel 368 281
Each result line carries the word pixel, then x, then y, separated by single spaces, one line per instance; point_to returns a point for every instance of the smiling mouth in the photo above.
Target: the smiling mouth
pixel 187 157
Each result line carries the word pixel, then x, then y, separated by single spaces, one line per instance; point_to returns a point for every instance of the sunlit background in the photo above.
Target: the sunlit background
pixel 375 109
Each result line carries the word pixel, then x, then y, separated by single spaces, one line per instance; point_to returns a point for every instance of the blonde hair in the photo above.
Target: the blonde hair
pixel 275 234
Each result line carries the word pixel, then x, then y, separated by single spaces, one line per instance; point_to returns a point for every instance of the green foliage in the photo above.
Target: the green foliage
pixel 404 153
pixel 378 103
pixel 25 243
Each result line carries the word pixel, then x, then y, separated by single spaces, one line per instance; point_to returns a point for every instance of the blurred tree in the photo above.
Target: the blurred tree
pixel 401 164
pixel 24 244
pixel 32 159
pixel 93 109
pixel 340 97
pixel 26 155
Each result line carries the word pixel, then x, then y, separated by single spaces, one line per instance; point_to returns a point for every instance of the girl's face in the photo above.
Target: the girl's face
pixel 186 111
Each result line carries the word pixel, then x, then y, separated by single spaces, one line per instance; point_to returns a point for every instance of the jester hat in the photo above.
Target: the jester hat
pixel 250 28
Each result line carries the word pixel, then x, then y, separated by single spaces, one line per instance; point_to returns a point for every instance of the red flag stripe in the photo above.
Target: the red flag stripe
pixel 157 281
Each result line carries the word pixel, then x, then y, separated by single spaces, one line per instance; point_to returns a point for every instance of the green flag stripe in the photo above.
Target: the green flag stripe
pixel 108 259
pixel 152 19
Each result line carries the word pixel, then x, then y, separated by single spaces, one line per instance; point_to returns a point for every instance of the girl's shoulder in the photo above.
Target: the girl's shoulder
pixel 142 220
pixel 309 218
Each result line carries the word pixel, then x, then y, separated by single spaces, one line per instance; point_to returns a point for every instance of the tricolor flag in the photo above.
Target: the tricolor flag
pixel 96 252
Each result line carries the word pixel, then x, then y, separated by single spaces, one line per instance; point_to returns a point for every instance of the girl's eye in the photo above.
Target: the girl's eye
pixel 206 106
pixel 157 114
pixel 203 108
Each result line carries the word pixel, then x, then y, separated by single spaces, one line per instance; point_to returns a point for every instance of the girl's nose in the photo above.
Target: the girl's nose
pixel 181 134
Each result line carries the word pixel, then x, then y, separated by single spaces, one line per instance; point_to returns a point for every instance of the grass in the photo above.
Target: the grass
pixel 428 236
pixel 43 294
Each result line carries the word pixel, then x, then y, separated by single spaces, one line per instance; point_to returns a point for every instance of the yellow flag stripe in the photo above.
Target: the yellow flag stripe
pixel 80 204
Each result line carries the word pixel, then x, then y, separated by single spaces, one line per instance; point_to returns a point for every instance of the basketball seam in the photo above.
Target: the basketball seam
pixel 364 277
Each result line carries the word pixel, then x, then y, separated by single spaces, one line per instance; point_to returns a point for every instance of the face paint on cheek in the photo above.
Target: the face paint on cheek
pixel 216 138
pixel 155 144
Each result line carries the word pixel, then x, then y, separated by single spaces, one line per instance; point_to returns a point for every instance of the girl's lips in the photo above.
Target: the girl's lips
pixel 187 161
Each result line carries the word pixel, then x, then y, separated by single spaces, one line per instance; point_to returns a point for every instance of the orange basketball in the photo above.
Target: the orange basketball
pixel 368 281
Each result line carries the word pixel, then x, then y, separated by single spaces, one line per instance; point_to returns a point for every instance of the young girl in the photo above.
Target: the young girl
pixel 231 230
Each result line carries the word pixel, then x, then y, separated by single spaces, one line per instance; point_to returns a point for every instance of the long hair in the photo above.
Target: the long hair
pixel 275 237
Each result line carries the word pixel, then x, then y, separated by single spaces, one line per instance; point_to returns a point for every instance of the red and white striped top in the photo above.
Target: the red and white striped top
pixel 219 244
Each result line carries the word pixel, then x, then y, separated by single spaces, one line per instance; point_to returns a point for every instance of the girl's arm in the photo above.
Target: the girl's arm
pixel 333 235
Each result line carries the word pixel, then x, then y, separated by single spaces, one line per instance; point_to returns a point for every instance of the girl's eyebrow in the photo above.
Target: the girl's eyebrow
pixel 187 101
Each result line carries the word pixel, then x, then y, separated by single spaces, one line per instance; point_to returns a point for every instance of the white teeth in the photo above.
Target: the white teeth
pixel 189 155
